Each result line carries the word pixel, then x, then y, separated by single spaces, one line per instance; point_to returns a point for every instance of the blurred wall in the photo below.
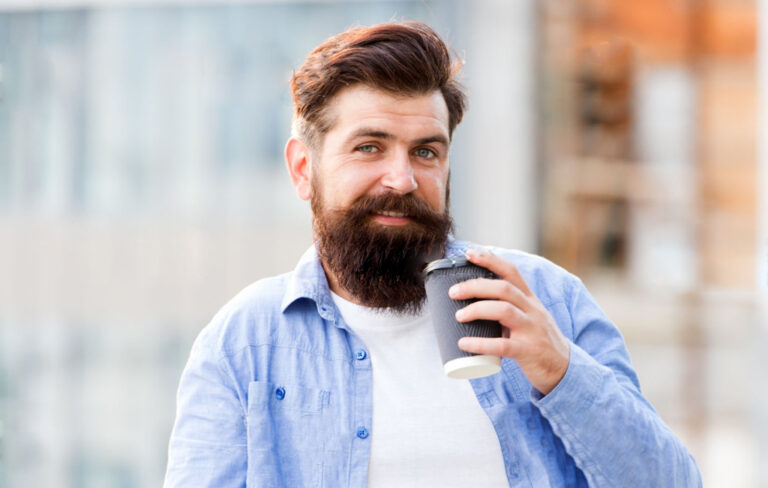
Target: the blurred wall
pixel 651 193
pixel 761 423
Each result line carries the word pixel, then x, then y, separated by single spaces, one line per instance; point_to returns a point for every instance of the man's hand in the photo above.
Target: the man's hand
pixel 530 335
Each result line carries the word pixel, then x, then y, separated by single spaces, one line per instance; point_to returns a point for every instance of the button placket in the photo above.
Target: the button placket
pixel 362 408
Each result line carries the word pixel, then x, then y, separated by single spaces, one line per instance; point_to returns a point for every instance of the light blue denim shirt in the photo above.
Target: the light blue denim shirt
pixel 278 393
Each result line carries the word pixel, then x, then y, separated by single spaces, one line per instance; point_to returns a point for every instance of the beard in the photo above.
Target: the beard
pixel 380 265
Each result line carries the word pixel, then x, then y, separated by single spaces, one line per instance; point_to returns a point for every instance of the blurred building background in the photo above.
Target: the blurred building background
pixel 142 185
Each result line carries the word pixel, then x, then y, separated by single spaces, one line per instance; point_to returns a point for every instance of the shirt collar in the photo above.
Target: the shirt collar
pixel 308 279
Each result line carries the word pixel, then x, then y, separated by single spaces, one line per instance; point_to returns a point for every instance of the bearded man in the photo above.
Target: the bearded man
pixel 331 376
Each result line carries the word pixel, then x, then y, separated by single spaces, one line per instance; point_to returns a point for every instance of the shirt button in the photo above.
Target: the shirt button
pixel 361 354
pixel 280 393
pixel 362 432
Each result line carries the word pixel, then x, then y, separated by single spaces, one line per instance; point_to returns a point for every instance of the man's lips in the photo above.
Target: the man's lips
pixel 391 218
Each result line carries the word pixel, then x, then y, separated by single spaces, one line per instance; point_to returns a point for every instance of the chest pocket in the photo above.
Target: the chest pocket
pixel 288 397
pixel 284 413
pixel 285 434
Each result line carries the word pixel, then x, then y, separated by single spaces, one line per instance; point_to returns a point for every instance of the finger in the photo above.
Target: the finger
pixel 491 289
pixel 503 312
pixel 503 268
pixel 492 346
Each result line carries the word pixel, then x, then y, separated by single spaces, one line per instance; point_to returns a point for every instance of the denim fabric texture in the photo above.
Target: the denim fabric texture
pixel 277 392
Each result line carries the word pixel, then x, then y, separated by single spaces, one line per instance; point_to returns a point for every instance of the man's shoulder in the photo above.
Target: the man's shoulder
pixel 247 317
pixel 532 263
pixel 549 281
pixel 261 295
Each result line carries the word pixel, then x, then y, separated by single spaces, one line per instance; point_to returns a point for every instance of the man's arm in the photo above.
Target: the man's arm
pixel 208 443
pixel 587 391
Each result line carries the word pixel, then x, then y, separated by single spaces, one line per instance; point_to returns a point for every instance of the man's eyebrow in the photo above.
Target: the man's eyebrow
pixel 379 134
pixel 437 138
pixel 366 132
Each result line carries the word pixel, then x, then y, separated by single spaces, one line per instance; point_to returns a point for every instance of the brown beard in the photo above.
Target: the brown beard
pixel 380 266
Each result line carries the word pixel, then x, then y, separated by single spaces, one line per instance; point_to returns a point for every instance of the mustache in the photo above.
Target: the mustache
pixel 408 204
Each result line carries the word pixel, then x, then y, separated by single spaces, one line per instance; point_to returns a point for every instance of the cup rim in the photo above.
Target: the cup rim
pixel 445 263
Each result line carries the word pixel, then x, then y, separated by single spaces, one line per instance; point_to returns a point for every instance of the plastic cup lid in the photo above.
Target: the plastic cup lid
pixel 445 263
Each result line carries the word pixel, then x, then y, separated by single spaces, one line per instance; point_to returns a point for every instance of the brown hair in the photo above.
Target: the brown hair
pixel 407 58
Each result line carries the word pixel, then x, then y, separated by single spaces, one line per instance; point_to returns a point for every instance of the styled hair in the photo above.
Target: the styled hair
pixel 407 58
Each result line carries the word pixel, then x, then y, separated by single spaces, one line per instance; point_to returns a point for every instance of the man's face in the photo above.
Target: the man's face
pixel 380 143
pixel 379 188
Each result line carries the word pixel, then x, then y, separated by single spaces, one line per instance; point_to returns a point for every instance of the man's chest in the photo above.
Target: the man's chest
pixel 427 429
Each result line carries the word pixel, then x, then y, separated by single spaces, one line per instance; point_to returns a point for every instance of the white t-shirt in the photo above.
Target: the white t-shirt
pixel 428 429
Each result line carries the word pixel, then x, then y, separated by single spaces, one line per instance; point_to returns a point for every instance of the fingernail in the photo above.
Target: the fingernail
pixel 460 314
pixel 453 291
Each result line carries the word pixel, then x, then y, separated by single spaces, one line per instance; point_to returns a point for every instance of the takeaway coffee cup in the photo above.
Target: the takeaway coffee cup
pixel 440 275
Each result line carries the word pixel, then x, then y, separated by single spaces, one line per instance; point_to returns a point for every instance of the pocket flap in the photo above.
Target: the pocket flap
pixel 286 396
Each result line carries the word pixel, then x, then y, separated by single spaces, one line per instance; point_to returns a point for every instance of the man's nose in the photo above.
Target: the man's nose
pixel 399 175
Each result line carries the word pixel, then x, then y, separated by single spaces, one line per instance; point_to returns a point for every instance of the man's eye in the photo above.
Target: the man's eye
pixel 367 148
pixel 423 152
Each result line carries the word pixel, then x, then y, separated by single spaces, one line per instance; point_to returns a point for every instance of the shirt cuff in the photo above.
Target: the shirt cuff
pixel 581 383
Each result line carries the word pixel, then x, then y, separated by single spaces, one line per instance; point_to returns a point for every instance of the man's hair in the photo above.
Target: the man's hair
pixel 407 58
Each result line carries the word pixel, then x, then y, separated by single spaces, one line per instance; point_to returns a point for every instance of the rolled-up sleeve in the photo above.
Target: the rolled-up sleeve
pixel 597 410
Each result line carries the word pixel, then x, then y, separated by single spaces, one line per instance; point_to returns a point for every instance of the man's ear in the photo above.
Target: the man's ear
pixel 297 161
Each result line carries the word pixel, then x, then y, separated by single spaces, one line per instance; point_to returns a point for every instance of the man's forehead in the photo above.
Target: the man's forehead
pixel 360 108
